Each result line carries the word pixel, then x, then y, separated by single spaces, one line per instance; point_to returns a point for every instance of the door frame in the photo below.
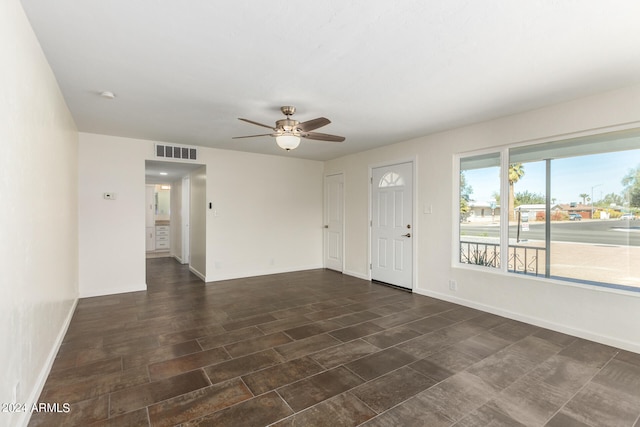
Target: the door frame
pixel 192 167
pixel 186 219
pixel 326 220
pixel 414 217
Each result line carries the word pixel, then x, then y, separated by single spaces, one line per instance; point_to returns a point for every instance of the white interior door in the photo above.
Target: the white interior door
pixel 392 225
pixel 334 221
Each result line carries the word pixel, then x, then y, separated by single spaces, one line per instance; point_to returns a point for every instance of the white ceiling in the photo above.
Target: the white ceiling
pixel 157 172
pixel 381 71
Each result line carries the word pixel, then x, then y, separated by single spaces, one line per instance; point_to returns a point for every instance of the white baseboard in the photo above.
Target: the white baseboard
pixel 197 273
pixel 46 369
pixel 112 291
pixel 358 275
pixel 255 273
pixel 565 329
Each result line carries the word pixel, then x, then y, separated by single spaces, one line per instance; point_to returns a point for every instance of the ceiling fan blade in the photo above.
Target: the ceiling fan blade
pixel 256 123
pixel 251 136
pixel 322 137
pixel 313 124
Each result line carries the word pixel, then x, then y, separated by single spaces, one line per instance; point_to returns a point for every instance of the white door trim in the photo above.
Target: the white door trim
pixel 326 220
pixel 186 217
pixel 415 226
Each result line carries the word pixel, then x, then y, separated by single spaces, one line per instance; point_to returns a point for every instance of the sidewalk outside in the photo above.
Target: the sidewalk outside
pixel 612 264
pixel 599 263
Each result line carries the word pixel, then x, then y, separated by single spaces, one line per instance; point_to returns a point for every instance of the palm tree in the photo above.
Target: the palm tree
pixel 584 198
pixel 516 171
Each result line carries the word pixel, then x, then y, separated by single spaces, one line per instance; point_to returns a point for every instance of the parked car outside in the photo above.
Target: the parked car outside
pixel 575 217
pixel 627 216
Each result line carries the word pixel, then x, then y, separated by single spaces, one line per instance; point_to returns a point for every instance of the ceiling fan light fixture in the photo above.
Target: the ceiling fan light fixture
pixel 288 141
pixel 288 131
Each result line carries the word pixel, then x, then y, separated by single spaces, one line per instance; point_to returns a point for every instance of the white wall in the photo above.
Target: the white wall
pixel 176 220
pixel 267 215
pixel 111 232
pixel 38 194
pixel 604 316
pixel 198 222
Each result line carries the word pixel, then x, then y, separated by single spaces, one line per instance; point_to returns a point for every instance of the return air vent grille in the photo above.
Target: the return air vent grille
pixel 176 152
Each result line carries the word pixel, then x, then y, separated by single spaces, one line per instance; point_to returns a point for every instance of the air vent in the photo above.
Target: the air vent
pixel 176 152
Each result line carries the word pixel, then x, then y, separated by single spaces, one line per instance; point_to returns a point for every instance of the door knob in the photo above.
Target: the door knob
pixel 406 235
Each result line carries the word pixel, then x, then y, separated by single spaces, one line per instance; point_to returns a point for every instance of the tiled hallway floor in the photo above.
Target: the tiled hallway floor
pixel 318 348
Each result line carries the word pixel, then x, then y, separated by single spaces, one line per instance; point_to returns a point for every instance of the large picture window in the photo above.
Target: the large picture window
pixel 572 209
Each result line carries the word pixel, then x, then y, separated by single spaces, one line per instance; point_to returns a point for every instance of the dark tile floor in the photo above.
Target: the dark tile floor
pixel 318 348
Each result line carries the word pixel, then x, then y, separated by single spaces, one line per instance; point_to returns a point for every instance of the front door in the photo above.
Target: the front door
pixel 392 225
pixel 333 225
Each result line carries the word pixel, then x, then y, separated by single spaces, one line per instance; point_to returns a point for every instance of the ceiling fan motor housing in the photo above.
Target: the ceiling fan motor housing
pixel 287 125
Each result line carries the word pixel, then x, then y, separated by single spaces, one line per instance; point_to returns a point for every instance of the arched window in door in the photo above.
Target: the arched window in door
pixel 391 179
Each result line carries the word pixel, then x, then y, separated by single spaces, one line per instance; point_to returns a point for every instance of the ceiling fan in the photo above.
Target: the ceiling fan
pixel 288 131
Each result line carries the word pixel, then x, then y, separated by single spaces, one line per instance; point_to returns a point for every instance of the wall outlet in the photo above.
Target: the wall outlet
pixel 453 285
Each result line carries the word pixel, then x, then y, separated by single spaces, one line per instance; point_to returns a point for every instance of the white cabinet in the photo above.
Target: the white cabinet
pixel 162 237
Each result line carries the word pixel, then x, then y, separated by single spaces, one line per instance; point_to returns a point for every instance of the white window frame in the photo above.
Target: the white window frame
pixel 503 151
pixel 504 213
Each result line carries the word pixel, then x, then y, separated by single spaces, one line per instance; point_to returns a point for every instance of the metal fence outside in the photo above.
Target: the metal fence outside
pixel 522 259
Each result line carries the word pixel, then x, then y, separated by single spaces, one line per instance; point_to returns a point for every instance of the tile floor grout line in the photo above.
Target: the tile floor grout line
pixel 108 406
pixel 293 413
pixel 377 414
pixel 403 402
pixel 354 373
pixel 496 394
pixel 246 385
pixel 210 386
pixel 583 387
pixel 205 375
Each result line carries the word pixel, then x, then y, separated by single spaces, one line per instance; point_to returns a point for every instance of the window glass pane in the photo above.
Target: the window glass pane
pixel 391 179
pixel 527 204
pixel 595 234
pixel 585 229
pixel 480 210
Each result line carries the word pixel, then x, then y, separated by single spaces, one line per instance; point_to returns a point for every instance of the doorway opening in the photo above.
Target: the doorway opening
pixel 170 218
pixel 158 220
